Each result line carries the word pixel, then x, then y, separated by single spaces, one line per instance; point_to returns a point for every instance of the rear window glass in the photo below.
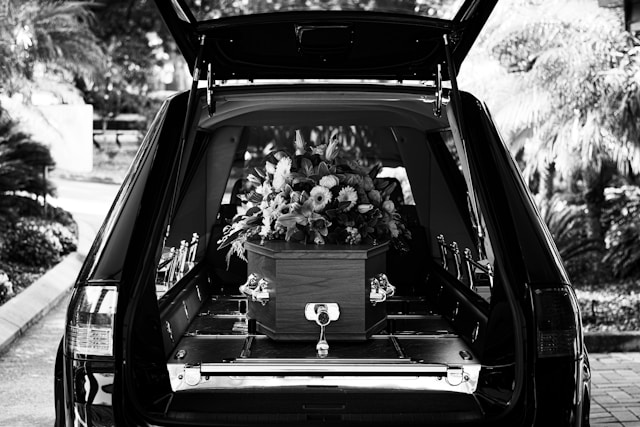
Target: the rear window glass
pixel 214 9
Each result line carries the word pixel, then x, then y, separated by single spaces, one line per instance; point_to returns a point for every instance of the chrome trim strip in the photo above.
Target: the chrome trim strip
pixel 324 367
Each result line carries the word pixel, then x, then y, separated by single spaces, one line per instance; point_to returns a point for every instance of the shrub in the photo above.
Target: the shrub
pixel 622 218
pixel 21 162
pixel 33 242
pixel 6 287
pixel 610 306
pixel 25 206
pixel 67 237
pixel 567 223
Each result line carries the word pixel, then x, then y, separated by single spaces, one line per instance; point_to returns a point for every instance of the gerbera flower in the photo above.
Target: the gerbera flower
pixel 280 207
pixel 319 197
pixel 348 194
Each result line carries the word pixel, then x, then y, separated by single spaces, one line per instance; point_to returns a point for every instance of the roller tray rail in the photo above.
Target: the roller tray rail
pixel 418 350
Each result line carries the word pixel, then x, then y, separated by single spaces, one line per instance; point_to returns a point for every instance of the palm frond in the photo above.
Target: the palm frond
pixel 60 34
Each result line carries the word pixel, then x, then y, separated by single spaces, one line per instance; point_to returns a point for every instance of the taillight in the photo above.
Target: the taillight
pixel 90 321
pixel 558 322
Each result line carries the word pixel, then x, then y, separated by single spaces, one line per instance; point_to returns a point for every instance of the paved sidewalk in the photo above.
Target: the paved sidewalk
pixel 615 389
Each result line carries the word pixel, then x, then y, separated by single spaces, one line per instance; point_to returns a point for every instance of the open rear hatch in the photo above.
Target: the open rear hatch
pixel 323 40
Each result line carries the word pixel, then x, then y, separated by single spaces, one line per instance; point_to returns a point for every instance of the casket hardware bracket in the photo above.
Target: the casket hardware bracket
pixel 456 375
pixel 192 374
pixel 256 289
pixel 380 289
pixel 473 266
pixel 322 314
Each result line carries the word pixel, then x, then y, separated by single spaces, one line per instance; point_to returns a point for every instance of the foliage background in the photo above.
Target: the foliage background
pixel 567 104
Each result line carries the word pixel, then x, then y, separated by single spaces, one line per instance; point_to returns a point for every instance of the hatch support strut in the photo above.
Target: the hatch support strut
pixel 456 100
pixel 455 95
pixel 188 121
pixel 437 108
pixel 211 103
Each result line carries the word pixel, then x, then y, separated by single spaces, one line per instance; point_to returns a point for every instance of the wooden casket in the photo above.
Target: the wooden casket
pixel 294 276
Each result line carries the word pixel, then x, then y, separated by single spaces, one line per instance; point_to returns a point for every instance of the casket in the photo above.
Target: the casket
pixel 288 282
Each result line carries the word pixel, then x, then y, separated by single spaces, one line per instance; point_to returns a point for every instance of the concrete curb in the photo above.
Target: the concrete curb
pixel 29 306
pixel 21 312
pixel 606 342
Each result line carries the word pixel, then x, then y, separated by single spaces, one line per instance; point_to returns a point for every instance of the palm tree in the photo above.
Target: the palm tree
pixel 21 167
pixel 55 33
pixel 574 101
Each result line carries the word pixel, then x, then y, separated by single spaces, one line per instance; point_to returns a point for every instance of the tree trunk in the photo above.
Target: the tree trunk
pixel 595 183
pixel 547 181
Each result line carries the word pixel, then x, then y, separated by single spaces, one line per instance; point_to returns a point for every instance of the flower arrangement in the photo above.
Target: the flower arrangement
pixel 316 196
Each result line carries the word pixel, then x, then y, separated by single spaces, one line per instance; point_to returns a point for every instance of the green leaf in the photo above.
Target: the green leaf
pixel 306 166
pixel 323 169
pixel 254 197
pixel 332 213
pixel 254 220
pixel 388 190
pixel 375 171
pixel 260 172
pixel 252 211
pixel 304 182
pixel 254 179
pixel 228 239
pixel 290 220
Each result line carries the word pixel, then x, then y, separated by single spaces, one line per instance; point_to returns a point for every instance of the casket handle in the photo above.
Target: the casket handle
pixel 256 289
pixel 381 289
pixel 322 314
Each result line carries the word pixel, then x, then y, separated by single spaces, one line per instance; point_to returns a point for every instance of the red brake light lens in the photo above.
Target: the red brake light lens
pixel 558 322
pixel 91 321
